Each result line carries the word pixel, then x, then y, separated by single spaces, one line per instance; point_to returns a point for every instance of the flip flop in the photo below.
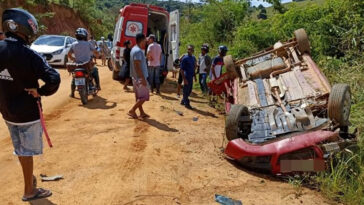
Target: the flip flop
pixel 41 194
pixel 144 116
pixel 134 116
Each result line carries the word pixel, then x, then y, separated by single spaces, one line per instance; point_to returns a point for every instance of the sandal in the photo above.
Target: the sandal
pixel 132 115
pixel 41 194
pixel 145 116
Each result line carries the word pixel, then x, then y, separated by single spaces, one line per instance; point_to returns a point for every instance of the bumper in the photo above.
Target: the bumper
pixel 54 59
pixel 268 156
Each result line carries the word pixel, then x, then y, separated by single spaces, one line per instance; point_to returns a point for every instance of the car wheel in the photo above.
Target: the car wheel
pixel 340 104
pixel 65 61
pixel 302 40
pixel 233 121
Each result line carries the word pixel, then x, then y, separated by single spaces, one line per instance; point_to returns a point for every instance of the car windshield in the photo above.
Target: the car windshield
pixel 50 41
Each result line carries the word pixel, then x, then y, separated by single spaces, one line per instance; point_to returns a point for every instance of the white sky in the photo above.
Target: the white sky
pixel 257 2
pixel 254 2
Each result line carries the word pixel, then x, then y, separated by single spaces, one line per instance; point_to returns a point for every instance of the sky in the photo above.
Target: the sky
pixel 254 2
pixel 257 2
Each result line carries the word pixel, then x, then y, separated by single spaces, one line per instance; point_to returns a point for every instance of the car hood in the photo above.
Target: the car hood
pixel 45 48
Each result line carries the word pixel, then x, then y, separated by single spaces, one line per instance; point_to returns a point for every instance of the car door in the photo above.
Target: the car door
pixel 173 31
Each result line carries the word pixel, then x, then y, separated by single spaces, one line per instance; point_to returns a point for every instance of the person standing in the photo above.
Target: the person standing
pixel 139 74
pixel 126 56
pixel 20 70
pixel 204 64
pixel 154 54
pixel 188 65
pixel 94 43
pixel 2 36
pixel 218 63
pixel 104 51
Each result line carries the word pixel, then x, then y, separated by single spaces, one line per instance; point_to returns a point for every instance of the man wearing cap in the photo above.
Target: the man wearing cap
pixel 2 36
pixel 154 54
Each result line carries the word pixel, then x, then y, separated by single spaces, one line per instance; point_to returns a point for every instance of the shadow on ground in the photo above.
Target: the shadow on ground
pixel 41 202
pixel 98 102
pixel 159 125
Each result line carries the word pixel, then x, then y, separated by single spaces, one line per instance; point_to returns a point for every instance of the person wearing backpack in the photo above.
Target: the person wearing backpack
pixel 20 70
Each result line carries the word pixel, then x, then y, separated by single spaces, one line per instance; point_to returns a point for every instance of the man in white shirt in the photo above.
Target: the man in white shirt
pixel 154 54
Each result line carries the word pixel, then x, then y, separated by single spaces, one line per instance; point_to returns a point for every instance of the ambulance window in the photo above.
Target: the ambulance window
pixel 118 29
pixel 133 28
pixel 174 32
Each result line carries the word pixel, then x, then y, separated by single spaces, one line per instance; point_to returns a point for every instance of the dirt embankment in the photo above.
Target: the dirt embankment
pixel 62 20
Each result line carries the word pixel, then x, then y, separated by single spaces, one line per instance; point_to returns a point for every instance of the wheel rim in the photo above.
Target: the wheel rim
pixel 346 106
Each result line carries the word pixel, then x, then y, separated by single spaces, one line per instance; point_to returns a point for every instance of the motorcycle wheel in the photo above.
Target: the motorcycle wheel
pixel 83 94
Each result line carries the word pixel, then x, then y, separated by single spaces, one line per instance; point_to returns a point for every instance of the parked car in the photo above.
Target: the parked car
pixel 54 48
pixel 285 116
pixel 148 19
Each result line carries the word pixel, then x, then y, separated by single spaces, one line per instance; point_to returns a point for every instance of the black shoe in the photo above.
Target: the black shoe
pixel 182 103
pixel 188 107
pixel 72 95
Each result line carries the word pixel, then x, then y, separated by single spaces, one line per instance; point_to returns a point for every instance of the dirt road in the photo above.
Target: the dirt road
pixel 107 158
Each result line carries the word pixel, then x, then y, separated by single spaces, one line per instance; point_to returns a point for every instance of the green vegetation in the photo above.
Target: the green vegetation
pixel 336 32
pixel 101 15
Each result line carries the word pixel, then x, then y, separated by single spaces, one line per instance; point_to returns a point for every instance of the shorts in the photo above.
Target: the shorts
pixel 180 78
pixel 26 138
pixel 141 91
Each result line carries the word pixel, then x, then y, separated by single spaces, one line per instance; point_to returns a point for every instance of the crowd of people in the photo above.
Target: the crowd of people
pixel 187 67
pixel 20 92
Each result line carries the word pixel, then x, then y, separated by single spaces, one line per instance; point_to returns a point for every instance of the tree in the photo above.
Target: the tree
pixel 64 2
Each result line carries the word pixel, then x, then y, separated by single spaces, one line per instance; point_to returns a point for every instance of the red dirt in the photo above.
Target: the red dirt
pixel 107 158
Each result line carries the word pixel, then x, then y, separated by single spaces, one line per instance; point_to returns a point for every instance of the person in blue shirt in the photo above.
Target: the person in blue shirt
pixel 188 65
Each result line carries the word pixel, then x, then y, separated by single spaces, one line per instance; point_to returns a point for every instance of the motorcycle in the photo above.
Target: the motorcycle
pixel 83 80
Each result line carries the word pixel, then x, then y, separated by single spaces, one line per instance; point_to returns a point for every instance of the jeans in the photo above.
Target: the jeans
pixel 26 138
pixel 95 75
pixel 153 78
pixel 202 80
pixel 187 90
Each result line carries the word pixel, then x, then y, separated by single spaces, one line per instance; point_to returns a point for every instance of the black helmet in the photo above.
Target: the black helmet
pixel 81 34
pixel 20 23
pixel 176 63
pixel 205 47
pixel 223 50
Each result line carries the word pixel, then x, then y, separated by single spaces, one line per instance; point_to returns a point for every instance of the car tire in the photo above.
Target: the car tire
pixel 340 104
pixel 65 61
pixel 302 41
pixel 233 119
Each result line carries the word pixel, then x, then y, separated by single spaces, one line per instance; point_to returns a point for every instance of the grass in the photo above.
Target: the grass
pixel 344 182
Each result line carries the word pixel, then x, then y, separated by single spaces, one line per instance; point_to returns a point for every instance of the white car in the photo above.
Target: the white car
pixel 53 48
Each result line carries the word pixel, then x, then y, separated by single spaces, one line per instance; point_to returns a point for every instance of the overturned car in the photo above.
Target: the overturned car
pixel 284 117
